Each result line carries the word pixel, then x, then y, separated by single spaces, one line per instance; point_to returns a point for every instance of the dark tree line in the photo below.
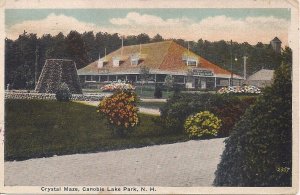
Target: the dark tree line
pixel 20 54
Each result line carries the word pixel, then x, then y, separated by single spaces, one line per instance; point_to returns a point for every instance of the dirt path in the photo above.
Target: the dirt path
pixel 191 163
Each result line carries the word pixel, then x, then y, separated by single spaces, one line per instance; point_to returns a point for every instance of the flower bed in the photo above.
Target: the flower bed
pixel 240 89
pixel 50 96
pixel 117 86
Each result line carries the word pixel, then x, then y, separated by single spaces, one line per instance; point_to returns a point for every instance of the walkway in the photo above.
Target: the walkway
pixel 191 163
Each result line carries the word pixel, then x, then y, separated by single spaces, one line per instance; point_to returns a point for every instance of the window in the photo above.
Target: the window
pixel 178 79
pixel 95 78
pixel 116 62
pixel 134 62
pixel 88 78
pixel 192 62
pixel 100 63
pixel 135 59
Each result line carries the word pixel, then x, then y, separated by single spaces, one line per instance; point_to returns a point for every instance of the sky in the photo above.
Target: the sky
pixel 240 25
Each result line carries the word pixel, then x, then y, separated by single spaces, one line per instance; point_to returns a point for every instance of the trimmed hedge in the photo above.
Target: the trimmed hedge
pixel 55 72
pixel 51 96
pixel 259 150
pixel 226 107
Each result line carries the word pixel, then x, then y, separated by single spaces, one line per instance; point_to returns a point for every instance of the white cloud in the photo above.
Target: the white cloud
pixel 250 29
pixel 52 24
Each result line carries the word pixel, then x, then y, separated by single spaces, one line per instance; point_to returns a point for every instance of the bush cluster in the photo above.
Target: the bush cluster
pixel 259 149
pixel 226 107
pixel 121 112
pixel 63 93
pixel 202 125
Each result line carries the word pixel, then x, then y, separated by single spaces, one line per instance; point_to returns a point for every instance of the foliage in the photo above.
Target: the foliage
pixel 201 125
pixel 76 49
pixel 145 76
pixel 63 93
pixel 158 92
pixel 226 107
pixel 169 81
pixel 55 72
pixel 245 89
pixel 120 110
pixel 259 150
pixel 117 86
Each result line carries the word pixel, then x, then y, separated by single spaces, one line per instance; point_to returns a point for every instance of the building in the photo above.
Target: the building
pixel 276 45
pixel 261 78
pixel 162 59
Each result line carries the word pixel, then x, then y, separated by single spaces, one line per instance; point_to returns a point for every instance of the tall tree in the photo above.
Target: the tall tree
pixel 157 38
pixel 143 38
pixel 91 49
pixel 76 49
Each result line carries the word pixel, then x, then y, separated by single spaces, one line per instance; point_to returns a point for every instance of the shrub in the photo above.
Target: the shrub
pixel 226 107
pixel 259 150
pixel 158 92
pixel 120 110
pixel 63 93
pixel 202 125
pixel 177 88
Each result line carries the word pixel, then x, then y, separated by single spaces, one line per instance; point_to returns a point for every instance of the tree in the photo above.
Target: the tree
pixel 145 76
pixel 58 49
pixel 143 38
pixel 169 81
pixel 259 149
pixel 157 38
pixel 89 42
pixel 76 49
pixel 23 78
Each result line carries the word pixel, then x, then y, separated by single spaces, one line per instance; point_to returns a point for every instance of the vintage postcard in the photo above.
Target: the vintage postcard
pixel 149 97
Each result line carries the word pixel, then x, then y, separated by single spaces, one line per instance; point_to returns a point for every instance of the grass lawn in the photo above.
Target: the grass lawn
pixel 39 128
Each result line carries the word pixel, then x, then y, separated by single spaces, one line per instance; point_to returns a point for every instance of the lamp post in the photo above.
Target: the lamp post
pixel 231 74
pixel 235 59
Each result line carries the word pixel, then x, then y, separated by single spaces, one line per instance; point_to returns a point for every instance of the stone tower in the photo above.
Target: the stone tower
pixel 55 72
pixel 276 45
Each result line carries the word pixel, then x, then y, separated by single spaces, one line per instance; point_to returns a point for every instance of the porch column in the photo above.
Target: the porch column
pixel 155 78
pixel 126 78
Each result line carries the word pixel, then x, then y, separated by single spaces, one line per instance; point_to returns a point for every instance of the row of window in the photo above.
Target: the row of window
pixel 135 60
pixel 134 78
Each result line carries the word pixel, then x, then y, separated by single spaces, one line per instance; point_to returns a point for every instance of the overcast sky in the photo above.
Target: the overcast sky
pixel 241 25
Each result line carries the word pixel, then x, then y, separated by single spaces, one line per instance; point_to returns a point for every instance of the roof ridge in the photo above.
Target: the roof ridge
pixel 165 41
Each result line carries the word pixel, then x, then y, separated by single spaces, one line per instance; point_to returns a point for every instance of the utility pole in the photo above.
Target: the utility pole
pixel 245 67
pixel 36 66
pixel 231 76
pixel 122 46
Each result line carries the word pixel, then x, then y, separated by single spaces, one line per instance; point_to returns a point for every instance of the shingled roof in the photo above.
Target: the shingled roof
pixel 276 40
pixel 261 75
pixel 160 57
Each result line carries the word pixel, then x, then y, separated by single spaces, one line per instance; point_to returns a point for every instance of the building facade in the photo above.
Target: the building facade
pixel 261 78
pixel 161 59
